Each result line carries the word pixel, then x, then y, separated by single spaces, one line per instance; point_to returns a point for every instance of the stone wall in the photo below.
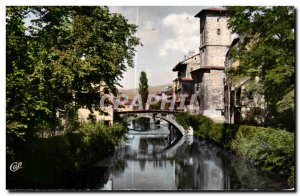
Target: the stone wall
pixel 192 64
pixel 83 115
pixel 213 22
pixel 216 40
pixel 215 55
pixel 213 90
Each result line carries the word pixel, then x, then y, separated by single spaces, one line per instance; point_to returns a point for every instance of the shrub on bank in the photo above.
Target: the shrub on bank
pixel 46 161
pixel 270 149
pixel 96 139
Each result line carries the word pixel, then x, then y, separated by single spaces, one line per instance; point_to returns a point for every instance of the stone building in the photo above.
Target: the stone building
pixel 243 96
pixel 184 84
pixel 208 75
pixel 84 114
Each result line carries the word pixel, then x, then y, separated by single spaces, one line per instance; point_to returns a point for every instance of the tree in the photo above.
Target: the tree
pixel 267 50
pixel 67 58
pixel 20 108
pixel 89 49
pixel 143 87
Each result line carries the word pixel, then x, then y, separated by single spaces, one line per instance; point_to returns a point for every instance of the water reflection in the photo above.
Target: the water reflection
pixel 148 161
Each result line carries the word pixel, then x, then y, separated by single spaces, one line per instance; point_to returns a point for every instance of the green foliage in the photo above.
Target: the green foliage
pixel 203 126
pixel 48 160
pixel 268 148
pixel 267 50
pixel 286 111
pixel 61 61
pixel 183 119
pixel 96 136
pixel 143 87
pixel 271 149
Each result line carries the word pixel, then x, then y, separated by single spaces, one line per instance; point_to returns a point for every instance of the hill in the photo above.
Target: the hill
pixel 152 90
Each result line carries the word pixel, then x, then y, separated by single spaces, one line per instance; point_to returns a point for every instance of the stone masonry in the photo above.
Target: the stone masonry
pixel 215 40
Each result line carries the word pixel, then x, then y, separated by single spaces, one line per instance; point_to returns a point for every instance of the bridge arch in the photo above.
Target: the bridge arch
pixel 173 122
pixel 167 117
pixel 130 118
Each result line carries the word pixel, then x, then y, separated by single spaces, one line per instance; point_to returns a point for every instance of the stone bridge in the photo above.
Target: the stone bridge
pixel 161 114
pixel 170 119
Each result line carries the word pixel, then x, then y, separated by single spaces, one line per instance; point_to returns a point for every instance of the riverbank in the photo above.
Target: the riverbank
pixel 267 148
pixel 49 162
pixel 192 164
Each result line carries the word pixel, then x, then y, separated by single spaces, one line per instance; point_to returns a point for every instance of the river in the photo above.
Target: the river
pixel 151 160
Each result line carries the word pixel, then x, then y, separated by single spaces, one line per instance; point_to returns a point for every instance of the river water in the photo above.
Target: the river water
pixel 157 160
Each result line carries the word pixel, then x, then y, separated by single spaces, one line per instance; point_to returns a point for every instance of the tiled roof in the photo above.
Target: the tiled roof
pixel 128 102
pixel 208 67
pixel 212 9
pixel 186 79
pixel 167 92
pixel 176 68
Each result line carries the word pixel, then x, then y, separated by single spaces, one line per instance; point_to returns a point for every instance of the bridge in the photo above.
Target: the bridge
pixel 145 111
pixel 170 119
pixel 165 115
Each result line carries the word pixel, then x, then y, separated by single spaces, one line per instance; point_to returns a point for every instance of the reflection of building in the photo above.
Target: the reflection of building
pixel 201 169
pixel 243 96
pixel 208 76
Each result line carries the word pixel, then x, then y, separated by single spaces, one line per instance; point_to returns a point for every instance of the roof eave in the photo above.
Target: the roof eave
pixel 177 67
pixel 209 10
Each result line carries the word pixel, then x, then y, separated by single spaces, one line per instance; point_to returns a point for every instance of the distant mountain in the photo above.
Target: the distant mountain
pixel 152 90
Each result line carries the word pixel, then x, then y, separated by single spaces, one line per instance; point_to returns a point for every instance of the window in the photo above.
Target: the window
pixel 218 31
pixel 238 97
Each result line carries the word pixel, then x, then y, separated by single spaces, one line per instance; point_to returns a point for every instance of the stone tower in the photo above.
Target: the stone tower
pixel 215 40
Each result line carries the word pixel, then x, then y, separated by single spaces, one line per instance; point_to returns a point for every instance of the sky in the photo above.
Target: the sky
pixel 167 34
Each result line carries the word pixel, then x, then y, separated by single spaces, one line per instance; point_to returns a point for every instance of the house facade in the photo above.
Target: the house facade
pixel 106 116
pixel 243 96
pixel 184 83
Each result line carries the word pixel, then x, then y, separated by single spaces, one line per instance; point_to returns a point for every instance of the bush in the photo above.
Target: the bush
pixel 183 119
pixel 270 149
pixel 46 160
pixel 96 138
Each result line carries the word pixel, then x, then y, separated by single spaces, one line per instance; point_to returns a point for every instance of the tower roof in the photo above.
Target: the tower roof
pixel 212 9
